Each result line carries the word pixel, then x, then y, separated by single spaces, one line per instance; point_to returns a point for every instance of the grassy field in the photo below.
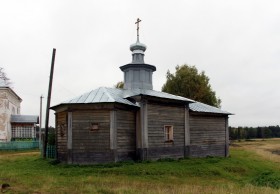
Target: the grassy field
pixel 253 167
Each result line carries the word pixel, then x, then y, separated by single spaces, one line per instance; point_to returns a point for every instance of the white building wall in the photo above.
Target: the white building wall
pixel 9 104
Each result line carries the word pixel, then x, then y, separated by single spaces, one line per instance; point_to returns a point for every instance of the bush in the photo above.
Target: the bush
pixel 51 138
pixel 267 179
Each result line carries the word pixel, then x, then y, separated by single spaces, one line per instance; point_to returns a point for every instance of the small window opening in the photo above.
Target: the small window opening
pixel 168 133
pixel 94 127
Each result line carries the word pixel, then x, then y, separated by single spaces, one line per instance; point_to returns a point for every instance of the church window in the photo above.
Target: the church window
pixel 94 127
pixel 168 133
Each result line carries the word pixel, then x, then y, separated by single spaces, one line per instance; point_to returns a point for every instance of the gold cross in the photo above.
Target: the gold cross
pixel 137 22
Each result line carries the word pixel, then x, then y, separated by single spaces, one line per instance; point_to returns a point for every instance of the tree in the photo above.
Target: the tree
pixel 189 83
pixel 267 132
pixel 4 80
pixel 119 85
pixel 260 132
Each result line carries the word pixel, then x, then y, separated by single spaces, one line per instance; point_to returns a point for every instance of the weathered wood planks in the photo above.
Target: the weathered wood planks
pixel 207 135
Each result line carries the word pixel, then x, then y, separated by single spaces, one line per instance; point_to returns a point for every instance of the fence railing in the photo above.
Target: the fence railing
pixel 25 145
pixel 19 145
pixel 50 152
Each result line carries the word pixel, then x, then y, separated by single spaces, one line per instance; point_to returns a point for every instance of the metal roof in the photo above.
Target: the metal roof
pixel 200 107
pixel 136 92
pixel 107 95
pixel 24 119
pixel 101 95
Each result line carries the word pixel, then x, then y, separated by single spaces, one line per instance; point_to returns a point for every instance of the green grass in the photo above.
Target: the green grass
pixel 242 172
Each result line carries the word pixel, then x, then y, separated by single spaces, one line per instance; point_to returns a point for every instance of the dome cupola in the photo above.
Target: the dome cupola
pixel 137 74
pixel 138 46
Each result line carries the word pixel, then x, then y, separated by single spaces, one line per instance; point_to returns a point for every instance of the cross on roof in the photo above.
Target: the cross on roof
pixel 137 22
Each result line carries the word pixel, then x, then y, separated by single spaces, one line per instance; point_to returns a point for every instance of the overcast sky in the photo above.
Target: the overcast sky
pixel 236 43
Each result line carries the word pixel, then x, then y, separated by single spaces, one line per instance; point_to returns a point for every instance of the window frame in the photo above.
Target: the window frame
pixel 168 133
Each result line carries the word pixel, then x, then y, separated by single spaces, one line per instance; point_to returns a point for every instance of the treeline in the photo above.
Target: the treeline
pixel 254 132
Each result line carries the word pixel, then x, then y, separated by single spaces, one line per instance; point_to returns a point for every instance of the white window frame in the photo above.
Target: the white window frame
pixel 168 133
pixel 23 131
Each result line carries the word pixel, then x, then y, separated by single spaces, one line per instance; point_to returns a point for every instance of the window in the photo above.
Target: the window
pixel 168 133
pixel 23 131
pixel 94 127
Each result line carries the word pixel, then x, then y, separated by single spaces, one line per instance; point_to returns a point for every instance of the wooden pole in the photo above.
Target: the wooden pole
pixel 40 120
pixel 48 105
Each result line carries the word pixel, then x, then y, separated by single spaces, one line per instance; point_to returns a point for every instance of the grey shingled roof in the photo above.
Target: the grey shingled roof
pixel 24 119
pixel 200 107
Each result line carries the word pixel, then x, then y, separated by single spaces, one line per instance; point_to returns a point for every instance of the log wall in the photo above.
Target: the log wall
pixel 158 116
pixel 90 145
pixel 207 135
pixel 61 136
pixel 126 135
pixel 115 138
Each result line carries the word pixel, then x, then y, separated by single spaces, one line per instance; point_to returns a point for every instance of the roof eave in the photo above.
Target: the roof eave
pixel 26 121
pixel 174 100
pixel 219 113
pixel 73 104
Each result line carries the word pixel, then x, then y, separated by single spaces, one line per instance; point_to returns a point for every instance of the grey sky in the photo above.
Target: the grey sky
pixel 236 43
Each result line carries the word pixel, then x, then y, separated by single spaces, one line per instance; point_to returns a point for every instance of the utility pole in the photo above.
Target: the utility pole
pixel 40 124
pixel 48 105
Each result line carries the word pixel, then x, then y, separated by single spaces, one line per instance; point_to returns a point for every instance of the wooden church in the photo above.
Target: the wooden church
pixel 137 122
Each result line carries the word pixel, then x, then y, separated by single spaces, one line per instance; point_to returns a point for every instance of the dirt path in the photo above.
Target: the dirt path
pixel 15 153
